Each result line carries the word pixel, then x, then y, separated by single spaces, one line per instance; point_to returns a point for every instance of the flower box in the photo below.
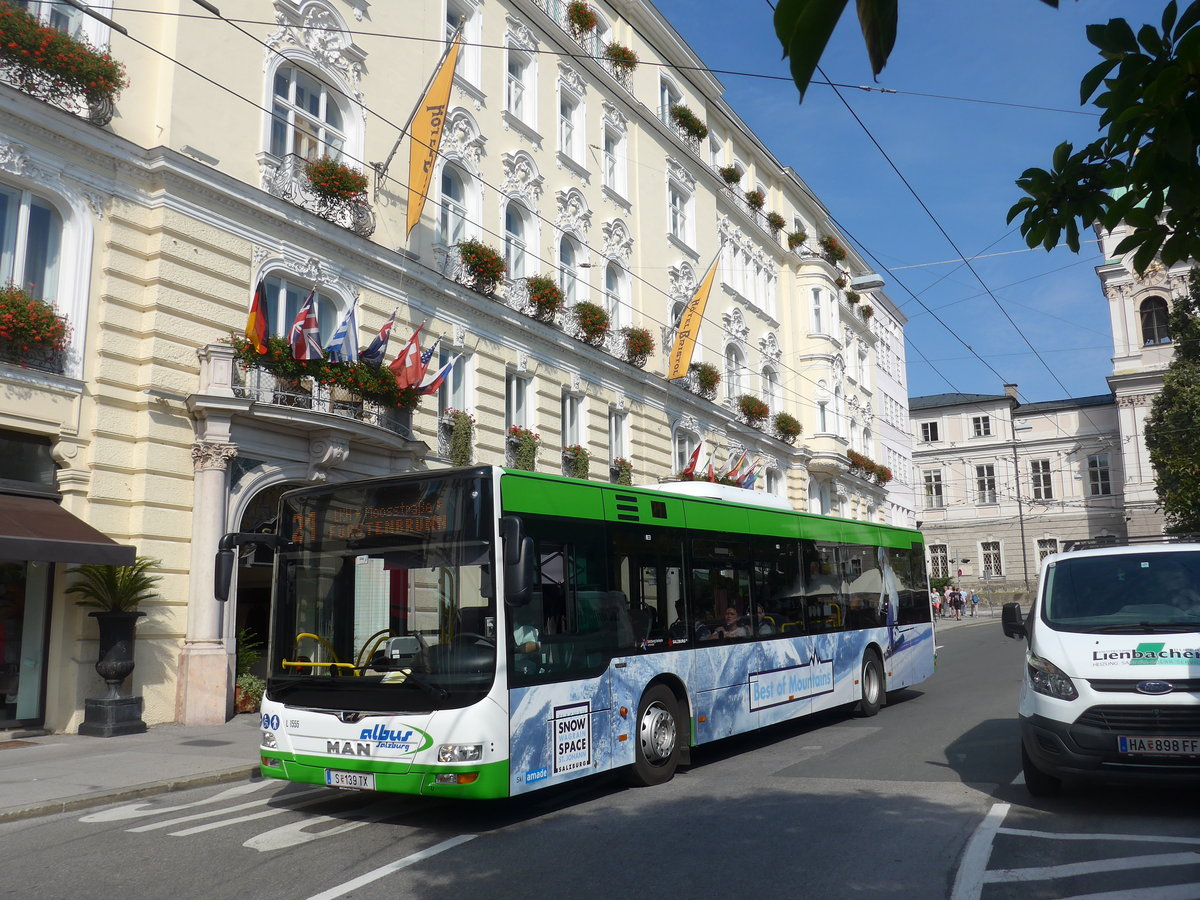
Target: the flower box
pixel 523 446
pixel 621 471
pixel 32 333
pixel 755 199
pixel 787 427
pixel 775 222
pixel 335 181
pixel 731 175
pixel 576 461
pixel 688 122
pixel 545 296
pixel 483 266
pixel 592 321
pixel 752 410
pixel 795 239
pixel 707 378
pixel 853 296
pixel 461 425
pixel 831 248
pixel 638 345
pixel 582 17
pixel 622 58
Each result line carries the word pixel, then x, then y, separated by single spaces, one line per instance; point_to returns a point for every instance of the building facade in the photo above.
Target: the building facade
pixel 149 225
pixel 1004 484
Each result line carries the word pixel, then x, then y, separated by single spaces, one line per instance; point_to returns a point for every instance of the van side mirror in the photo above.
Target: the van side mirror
pixel 1012 622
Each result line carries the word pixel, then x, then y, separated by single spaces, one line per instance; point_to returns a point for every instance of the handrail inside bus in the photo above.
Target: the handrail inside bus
pixel 368 650
pixel 320 665
pixel 306 664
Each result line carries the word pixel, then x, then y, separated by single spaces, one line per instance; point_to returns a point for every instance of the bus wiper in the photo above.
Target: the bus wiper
pixel 405 676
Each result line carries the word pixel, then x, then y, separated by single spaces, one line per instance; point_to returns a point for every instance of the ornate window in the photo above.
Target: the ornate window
pixel 516 389
pixel 616 301
pixel 516 237
pixel 734 365
pixel 568 271
pixel 284 297
pixel 30 242
pixel 452 220
pixel 307 117
pixel 465 12
pixel 519 97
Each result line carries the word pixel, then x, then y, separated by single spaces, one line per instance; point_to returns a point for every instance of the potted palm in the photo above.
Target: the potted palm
pixel 113 593
pixel 248 687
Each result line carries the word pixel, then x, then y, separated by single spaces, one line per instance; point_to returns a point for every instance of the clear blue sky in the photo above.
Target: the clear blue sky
pixel 961 157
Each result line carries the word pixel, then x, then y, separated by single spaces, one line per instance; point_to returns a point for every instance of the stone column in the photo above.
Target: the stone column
pixel 204 691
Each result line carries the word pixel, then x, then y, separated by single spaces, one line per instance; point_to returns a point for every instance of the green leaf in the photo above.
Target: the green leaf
pixel 804 27
pixel 1092 79
pixel 877 18
pixel 1188 20
pixel 1115 37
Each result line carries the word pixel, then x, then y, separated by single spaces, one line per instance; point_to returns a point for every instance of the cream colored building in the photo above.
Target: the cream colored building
pixel 156 226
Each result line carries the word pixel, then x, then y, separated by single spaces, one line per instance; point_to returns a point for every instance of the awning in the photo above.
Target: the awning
pixel 32 528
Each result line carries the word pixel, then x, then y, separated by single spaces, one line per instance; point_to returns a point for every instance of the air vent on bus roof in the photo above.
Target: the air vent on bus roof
pixel 627 508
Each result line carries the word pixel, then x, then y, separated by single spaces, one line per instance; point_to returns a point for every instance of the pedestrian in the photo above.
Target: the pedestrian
pixel 935 602
pixel 974 602
pixel 956 600
pixel 947 602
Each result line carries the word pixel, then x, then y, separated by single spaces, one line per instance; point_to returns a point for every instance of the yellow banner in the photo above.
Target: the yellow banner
pixel 689 325
pixel 426 134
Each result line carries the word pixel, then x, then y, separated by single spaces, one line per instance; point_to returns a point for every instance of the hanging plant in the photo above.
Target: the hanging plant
pixel 577 461
pixel 31 331
pixel 545 295
pixel 582 17
pixel 462 436
pixel 689 123
pixel 623 471
pixel 853 296
pixel 707 378
pixel 795 239
pixel 752 410
pixel 787 427
pixel 840 281
pixel 832 249
pixel 52 63
pixel 731 175
pixel 525 447
pixel 867 310
pixel 592 320
pixel 639 344
pixel 332 180
pixel 622 58
pixel 775 222
pixel 484 265
pixel 755 199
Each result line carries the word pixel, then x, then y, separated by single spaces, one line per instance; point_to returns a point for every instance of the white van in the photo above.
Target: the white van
pixel 1112 676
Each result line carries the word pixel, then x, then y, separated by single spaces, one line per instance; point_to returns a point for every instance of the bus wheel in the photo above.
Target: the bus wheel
pixel 872 686
pixel 656 753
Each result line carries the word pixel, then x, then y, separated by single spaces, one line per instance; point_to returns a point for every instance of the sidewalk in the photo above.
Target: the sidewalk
pixel 64 772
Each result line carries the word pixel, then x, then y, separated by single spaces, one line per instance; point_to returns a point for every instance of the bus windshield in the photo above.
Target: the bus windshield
pixel 1126 593
pixel 386 599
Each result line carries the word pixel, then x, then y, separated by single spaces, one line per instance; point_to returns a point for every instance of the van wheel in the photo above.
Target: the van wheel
pixel 1037 782
pixel 872 686
pixel 656 752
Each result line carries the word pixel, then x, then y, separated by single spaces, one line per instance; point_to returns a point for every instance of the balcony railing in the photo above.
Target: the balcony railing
pixel 221 375
pixel 287 180
pixel 50 89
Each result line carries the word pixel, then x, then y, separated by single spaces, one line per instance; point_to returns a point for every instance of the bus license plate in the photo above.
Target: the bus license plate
pixel 353 781
pixel 1158 745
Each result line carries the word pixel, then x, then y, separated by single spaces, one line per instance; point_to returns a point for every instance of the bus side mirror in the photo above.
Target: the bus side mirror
pixel 1011 621
pixel 223 573
pixel 519 574
pixel 512 530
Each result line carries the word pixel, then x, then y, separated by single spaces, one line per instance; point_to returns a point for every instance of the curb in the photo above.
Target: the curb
pixel 150 789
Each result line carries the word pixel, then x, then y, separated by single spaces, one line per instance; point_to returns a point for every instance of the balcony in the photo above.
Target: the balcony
pixel 303 402
pixel 287 180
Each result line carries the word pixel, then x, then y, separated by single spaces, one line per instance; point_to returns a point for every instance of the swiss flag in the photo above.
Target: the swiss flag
pixel 407 366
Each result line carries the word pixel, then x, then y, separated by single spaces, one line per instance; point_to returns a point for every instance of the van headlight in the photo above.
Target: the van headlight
pixel 460 753
pixel 1049 679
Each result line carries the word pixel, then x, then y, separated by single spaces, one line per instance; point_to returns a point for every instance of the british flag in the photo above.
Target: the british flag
pixel 305 336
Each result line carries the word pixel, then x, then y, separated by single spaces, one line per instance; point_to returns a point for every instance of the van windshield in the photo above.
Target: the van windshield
pixel 1128 593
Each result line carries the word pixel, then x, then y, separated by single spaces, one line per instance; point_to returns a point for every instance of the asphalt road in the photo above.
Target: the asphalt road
pixel 917 802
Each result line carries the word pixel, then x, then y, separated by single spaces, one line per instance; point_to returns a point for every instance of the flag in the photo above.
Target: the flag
pixel 689 325
pixel 751 475
pixel 693 460
pixel 343 346
pixel 426 133
pixel 305 335
pixel 426 356
pixel 732 473
pixel 430 385
pixel 378 347
pixel 257 327
pixel 407 366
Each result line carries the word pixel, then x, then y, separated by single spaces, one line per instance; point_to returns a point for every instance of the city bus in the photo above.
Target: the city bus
pixel 483 632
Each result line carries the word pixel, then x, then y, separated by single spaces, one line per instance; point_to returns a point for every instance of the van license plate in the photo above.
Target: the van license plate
pixel 1159 745
pixel 354 781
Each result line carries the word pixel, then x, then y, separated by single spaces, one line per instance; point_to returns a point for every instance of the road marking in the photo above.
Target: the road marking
pixel 375 874
pixel 265 814
pixel 1059 836
pixel 218 812
pixel 1166 892
pixel 296 833
pixel 1069 870
pixel 138 810
pixel 972 871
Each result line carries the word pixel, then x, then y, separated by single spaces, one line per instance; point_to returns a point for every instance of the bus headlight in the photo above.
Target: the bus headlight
pixel 460 753
pixel 268 741
pixel 1047 678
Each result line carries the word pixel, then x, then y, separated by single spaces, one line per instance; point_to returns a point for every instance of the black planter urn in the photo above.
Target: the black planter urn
pixel 114 713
